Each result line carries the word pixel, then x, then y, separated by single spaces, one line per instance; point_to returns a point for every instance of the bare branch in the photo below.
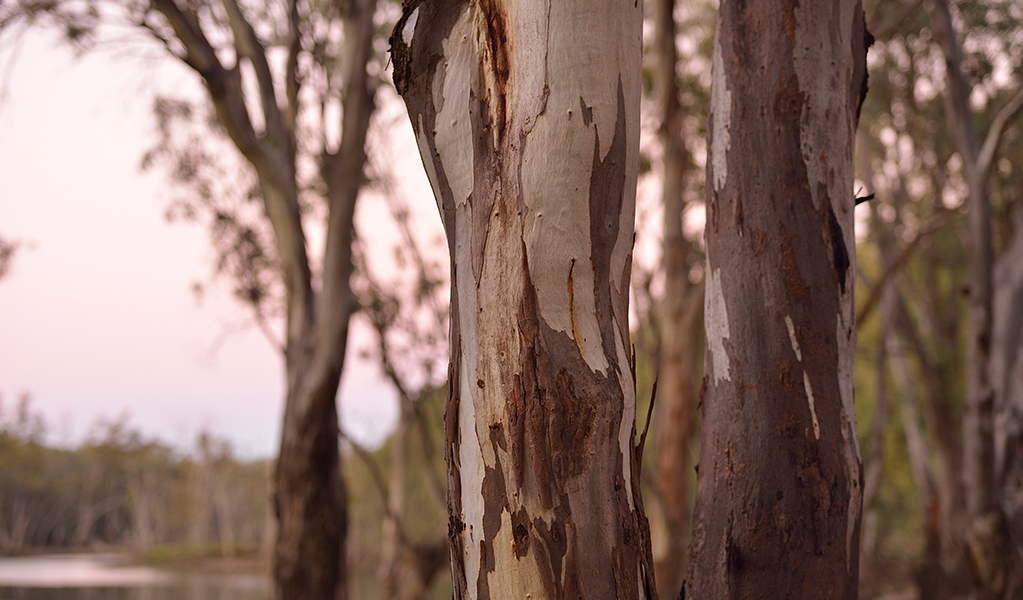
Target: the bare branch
pixel 292 84
pixel 957 95
pixel 247 45
pixel 994 135
pixel 224 85
pixel 931 226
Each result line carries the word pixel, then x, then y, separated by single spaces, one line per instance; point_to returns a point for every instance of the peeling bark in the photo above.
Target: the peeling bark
pixel 778 496
pixel 527 118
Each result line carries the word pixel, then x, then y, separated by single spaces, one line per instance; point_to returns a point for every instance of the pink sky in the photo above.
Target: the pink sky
pixel 97 317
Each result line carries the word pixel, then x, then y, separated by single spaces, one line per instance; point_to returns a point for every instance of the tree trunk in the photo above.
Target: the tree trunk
pixel 527 117
pixel 989 538
pixel 778 496
pixel 310 496
pixel 1007 379
pixel 681 309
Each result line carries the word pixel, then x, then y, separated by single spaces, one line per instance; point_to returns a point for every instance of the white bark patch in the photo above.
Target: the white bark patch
pixel 470 456
pixel 721 106
pixel 717 325
pixel 527 89
pixel 846 335
pixel 452 127
pixel 557 163
pixel 792 338
pixel 813 410
pixel 513 577
pixel 806 378
pixel 410 27
pixel 558 152
pixel 823 67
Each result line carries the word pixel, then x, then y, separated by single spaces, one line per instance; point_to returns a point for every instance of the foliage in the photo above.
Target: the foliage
pixel 119 488
pixel 7 251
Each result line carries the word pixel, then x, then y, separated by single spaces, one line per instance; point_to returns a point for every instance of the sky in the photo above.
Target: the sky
pixel 97 315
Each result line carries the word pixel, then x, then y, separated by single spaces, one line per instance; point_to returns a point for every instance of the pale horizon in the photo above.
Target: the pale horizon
pixel 97 314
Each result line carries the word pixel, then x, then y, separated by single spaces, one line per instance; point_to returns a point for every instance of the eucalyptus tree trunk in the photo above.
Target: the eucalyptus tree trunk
pixel 527 118
pixel 994 535
pixel 778 498
pixel 309 499
pixel 1007 379
pixel 680 323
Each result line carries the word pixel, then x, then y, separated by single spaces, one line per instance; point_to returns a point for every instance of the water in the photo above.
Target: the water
pixel 108 577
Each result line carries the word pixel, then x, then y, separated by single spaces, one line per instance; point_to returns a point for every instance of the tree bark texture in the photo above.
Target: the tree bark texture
pixel 527 118
pixel 778 499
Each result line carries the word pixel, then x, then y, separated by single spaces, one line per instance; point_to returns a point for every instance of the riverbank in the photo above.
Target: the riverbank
pixel 169 557
pixel 208 559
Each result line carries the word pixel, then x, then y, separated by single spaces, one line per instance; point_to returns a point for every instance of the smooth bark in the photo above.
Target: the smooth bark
pixel 527 118
pixel 680 322
pixel 780 481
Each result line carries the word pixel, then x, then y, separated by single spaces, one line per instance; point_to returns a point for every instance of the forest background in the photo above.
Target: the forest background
pixel 123 488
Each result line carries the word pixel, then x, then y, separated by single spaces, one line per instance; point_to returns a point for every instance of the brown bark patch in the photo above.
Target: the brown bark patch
pixel 498 45
pixel 607 191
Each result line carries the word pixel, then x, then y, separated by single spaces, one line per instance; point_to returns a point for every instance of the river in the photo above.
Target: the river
pixel 112 577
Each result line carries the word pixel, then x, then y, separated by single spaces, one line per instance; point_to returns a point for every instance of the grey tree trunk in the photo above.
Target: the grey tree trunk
pixel 994 552
pixel 779 490
pixel 527 117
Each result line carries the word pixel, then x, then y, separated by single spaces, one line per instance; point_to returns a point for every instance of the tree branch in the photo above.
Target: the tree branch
pixel 224 85
pixel 994 135
pixel 931 226
pixel 291 82
pixel 957 95
pixel 248 45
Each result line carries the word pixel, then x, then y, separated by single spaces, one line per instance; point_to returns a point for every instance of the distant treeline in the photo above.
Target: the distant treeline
pixel 120 488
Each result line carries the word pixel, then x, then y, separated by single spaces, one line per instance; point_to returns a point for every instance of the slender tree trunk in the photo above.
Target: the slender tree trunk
pixel 993 560
pixel 779 491
pixel 681 309
pixel 527 117
pixel 1007 379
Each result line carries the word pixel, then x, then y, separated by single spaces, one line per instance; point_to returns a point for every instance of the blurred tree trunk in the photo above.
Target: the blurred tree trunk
pixel 681 309
pixel 527 117
pixel 1007 381
pixel 993 559
pixel 779 490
